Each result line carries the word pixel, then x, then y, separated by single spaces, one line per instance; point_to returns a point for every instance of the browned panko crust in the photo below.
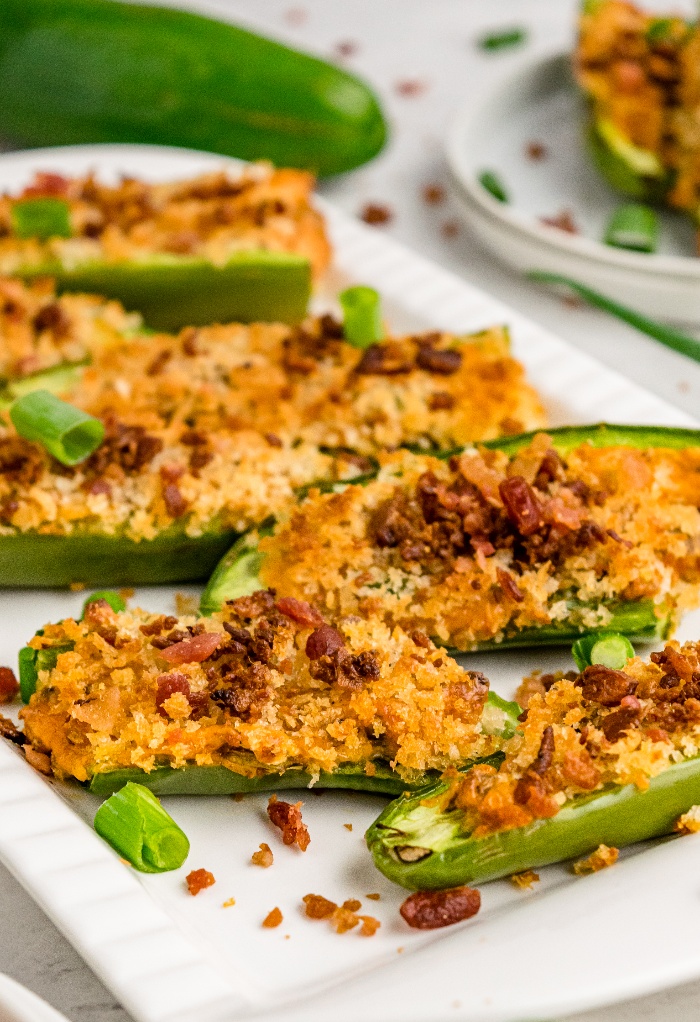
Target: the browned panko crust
pixel 213 216
pixel 256 703
pixel 485 545
pixel 605 727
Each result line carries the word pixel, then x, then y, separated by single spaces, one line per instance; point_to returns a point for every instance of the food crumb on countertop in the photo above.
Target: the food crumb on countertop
pixel 198 880
pixel 601 858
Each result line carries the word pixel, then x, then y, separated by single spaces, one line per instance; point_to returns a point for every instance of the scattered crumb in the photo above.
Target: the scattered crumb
pixel 341 917
pixel 238 797
pixel 198 880
pixel 601 858
pixel 684 386
pixel 536 151
pixel 287 818
pixel 563 221
pixel 124 862
pixel 688 823
pixel 229 903
pixel 39 760
pixel 573 301
pixel 77 587
pixel 433 194
pixel 185 605
pixel 296 15
pixel 346 48
pixel 375 214
pixel 263 857
pixel 450 229
pixel 286 936
pixel 399 950
pixel 272 919
pixel 373 897
pixel 410 87
pixel 524 881
pixel 348 826
pixel 127 593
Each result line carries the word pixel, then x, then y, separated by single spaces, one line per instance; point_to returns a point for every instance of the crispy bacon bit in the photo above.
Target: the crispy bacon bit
pixel 433 194
pixel 175 503
pixel 159 363
pixel 318 907
pixel 98 486
pixel 158 625
pixel 375 214
pixel 616 723
pixel 194 650
pixel 430 910
pixel 258 604
pixel 167 686
pixel 509 586
pixel 601 858
pixel 536 151
pixel 10 732
pixel 324 641
pixel 272 919
pixel 9 686
pixel 604 685
pixel 263 857
pixel 188 336
pixel 382 360
pixel 300 611
pixel 273 440
pixel 52 317
pixel 579 769
pixel 130 447
pixel 444 361
pixel 39 760
pixel 409 88
pixel 688 823
pixel 532 793
pixel 524 881
pixel 198 880
pixel 546 753
pixel 421 639
pixel 521 504
pixel 287 818
pixel 441 401
pixel 46 183
pixel 563 221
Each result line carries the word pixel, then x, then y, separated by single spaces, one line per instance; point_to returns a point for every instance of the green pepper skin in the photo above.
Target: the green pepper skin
pixel 77 71
pixel 175 291
pixel 31 560
pixel 619 172
pixel 616 816
pixel 603 434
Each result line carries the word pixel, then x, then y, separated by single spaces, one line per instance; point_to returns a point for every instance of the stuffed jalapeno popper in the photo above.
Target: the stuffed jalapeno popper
pixel 261 696
pixel 641 75
pixel 608 757
pixel 209 432
pixel 527 540
pixel 217 247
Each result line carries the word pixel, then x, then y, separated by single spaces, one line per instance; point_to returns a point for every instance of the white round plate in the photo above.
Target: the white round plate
pixel 540 104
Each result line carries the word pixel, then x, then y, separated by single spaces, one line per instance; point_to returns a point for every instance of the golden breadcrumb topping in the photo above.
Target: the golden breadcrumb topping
pixel 604 727
pixel 39 330
pixel 486 545
pixel 213 216
pixel 261 687
pixel 217 427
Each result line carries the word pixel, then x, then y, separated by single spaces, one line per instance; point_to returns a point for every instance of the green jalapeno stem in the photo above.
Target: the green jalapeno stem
pixel 135 824
pixel 633 226
pixel 607 648
pixel 41 218
pixel 419 846
pixel 667 335
pixel 66 432
pixel 362 316
pixel 493 185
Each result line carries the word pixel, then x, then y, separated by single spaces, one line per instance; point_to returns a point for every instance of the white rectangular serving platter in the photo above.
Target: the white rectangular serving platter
pixel 569 944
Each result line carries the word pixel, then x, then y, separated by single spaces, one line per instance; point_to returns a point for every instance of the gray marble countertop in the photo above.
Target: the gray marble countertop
pixel 431 46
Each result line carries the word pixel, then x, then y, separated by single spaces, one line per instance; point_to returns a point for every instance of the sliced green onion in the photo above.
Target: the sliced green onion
pixel 633 226
pixel 659 29
pixel 116 602
pixel 493 185
pixel 502 40
pixel 362 316
pixel 31 661
pixel 674 339
pixel 41 218
pixel 65 431
pixel 135 824
pixel 500 716
pixel 607 648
